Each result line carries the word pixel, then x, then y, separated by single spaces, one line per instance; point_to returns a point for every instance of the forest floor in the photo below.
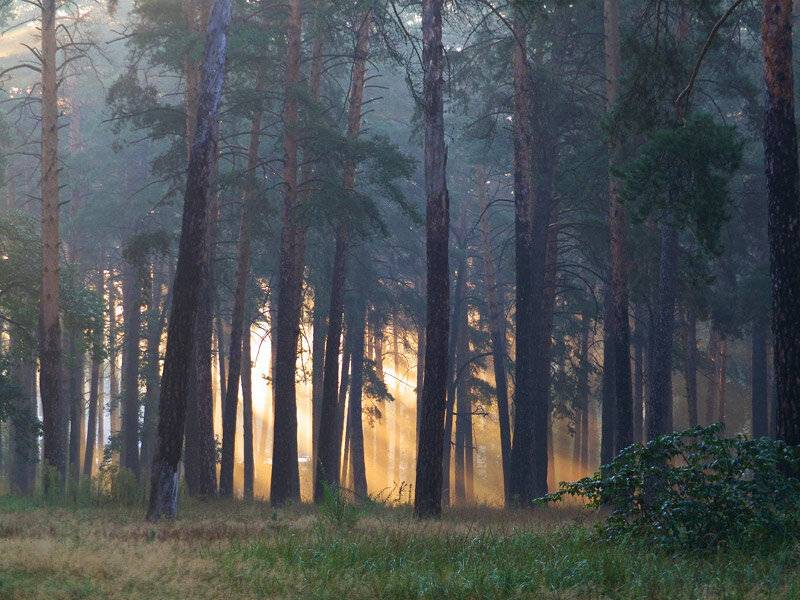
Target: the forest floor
pixel 238 550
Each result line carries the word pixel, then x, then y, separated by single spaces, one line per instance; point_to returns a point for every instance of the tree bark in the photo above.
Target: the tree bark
pixel 54 407
pixel 713 379
pixel 152 371
pixel 285 483
pixel 608 446
pixel 24 443
pixel 722 375
pixel 192 270
pixel 330 443
pixel 75 379
pixel 780 153
pixel 639 345
pixel 113 376
pixel 94 405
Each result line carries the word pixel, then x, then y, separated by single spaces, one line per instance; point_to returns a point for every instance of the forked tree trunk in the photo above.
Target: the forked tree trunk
pixel 780 153
pixel 54 406
pixel 238 329
pixel 330 443
pixel 192 270
pixel 497 324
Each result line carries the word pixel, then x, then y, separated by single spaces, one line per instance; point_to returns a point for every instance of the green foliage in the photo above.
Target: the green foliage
pixel 696 489
pixel 684 172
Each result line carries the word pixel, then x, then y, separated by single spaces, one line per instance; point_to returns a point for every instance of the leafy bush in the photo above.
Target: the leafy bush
pixel 696 489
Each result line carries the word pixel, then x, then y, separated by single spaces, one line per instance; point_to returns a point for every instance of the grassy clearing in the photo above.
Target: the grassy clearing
pixel 234 550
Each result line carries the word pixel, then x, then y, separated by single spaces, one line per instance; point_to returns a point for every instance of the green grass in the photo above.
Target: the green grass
pixel 236 550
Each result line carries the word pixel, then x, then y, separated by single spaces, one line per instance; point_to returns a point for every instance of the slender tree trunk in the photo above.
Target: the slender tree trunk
pixel 192 270
pixel 354 425
pixel 238 329
pixel 330 444
pixel 760 411
pixel 285 483
pixel 114 416
pixel 659 414
pixel 638 375
pixel 691 367
pixel 54 407
pixel 24 443
pixel 608 405
pixel 317 368
pixel 131 300
pixel 497 324
pixel 91 424
pixel 722 375
pixel 780 153
pixel 247 412
pixel 463 412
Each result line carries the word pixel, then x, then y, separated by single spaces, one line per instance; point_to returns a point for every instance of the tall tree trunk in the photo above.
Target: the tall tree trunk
pixel 619 326
pixel 463 412
pixel 780 153
pixel 581 420
pixel 152 376
pixel 330 443
pixel 238 329
pixel 94 409
pixel 528 469
pixel 131 304
pixel 760 411
pixel 354 421
pixel 285 483
pixel 691 367
pixel 247 412
pixel 497 324
pixel 659 414
pixel 191 272
pixel 54 407
pixel 317 368
pixel 114 416
pixel 608 446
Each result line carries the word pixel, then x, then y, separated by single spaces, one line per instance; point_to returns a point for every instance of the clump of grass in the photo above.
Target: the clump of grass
pixel 336 510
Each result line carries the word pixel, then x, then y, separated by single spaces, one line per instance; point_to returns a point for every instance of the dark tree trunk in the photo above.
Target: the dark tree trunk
pixel 713 380
pixel 497 324
pixel 760 411
pixel 528 468
pixel 285 483
pixel 24 443
pixel 113 373
pixel 354 422
pixel 155 326
pixel 247 412
pixel 330 442
pixel 54 406
pixel 722 375
pixel 659 413
pixel 780 153
pixel 131 305
pixel 691 367
pixel 463 412
pixel 317 368
pixel 582 417
pixel 238 328
pixel 192 271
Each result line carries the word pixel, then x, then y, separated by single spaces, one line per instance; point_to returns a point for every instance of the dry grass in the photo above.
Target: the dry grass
pixel 236 550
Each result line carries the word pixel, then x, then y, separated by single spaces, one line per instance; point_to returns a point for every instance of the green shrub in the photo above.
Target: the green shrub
pixel 336 510
pixel 696 489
